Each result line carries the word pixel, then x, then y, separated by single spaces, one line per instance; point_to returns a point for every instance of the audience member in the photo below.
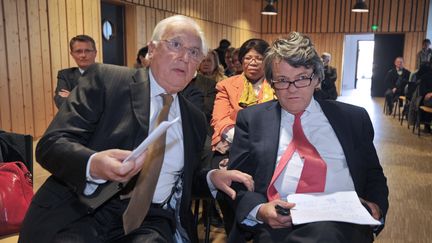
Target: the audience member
pixel 211 68
pixel 229 70
pixel 238 92
pixel 327 90
pixel 425 54
pixel 238 69
pixel 83 51
pixel 234 94
pixel 107 116
pixel 297 144
pixel 223 46
pixel 395 79
pixel 142 59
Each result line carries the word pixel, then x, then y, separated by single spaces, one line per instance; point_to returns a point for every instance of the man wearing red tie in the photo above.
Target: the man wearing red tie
pixel 297 144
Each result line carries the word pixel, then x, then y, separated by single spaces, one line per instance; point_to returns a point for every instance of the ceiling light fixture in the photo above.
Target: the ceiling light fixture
pixel 269 9
pixel 360 7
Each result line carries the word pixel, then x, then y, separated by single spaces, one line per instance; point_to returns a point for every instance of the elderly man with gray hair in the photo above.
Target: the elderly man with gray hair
pixel 297 144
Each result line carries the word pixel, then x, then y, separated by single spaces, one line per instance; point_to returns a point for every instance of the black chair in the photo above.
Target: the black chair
pixel 17 147
pixel 422 111
pixel 409 91
pixel 210 205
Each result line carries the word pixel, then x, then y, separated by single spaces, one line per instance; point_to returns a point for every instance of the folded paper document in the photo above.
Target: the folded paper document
pixel 338 206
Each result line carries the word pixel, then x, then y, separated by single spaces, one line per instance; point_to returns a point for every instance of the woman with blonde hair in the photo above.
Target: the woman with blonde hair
pixel 211 67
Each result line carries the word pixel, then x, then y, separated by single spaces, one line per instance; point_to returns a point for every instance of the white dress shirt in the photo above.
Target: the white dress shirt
pixel 174 153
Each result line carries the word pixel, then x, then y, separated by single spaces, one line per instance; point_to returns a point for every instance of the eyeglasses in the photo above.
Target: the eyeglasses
pixel 283 83
pixel 85 51
pixel 249 59
pixel 177 46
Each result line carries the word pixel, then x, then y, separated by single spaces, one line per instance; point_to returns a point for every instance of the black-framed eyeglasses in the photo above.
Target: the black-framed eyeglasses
pixel 177 46
pixel 283 83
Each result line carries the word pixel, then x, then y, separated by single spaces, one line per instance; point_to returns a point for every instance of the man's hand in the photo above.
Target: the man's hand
pixel 376 211
pixel 222 146
pixel 222 180
pixel 64 93
pixel 108 165
pixel 267 213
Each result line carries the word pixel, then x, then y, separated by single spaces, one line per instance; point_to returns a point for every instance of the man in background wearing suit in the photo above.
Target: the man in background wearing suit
pixel 341 136
pixel 105 117
pixel 396 80
pixel 83 51
pixel 328 84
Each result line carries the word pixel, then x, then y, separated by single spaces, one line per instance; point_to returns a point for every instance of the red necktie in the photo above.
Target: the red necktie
pixel 314 171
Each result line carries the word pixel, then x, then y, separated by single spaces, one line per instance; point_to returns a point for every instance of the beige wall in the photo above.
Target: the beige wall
pixel 34 36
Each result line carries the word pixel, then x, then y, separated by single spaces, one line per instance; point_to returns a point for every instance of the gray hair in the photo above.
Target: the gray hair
pixel 298 51
pixel 160 28
pixel 326 54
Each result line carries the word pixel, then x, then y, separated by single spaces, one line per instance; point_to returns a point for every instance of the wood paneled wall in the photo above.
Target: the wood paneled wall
pixel 34 37
pixel 236 21
pixel 327 21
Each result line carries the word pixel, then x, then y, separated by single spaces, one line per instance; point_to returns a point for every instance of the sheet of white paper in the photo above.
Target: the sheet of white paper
pixel 338 206
pixel 158 131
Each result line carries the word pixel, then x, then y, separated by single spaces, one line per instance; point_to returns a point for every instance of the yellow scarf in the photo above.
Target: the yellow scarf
pixel 248 97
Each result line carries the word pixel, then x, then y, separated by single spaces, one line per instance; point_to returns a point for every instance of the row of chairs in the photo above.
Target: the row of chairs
pixel 401 109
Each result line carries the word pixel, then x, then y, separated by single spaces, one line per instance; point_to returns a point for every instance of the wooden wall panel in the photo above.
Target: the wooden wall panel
pixel 334 18
pixel 36 60
pixel 25 67
pixel 5 109
pixel 34 37
pixel 232 20
pixel 17 122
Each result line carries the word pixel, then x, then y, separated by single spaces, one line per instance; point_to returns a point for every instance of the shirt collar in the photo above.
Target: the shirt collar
pixel 155 88
pixel 313 107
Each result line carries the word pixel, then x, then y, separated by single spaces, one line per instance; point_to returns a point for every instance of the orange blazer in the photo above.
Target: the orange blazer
pixel 226 105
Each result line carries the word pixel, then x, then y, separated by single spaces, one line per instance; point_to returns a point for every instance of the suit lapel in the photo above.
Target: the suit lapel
pixel 272 120
pixel 140 98
pixel 340 126
pixel 187 125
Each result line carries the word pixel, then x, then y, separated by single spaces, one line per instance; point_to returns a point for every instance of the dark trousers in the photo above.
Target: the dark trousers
pixel 106 225
pixel 331 232
pixel 389 97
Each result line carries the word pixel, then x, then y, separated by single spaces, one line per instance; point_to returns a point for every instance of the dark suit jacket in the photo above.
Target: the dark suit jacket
pixel 393 80
pixel 66 79
pixel 109 109
pixel 328 85
pixel 255 147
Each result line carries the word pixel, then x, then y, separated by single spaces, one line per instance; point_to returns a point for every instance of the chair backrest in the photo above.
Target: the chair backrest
pixel 409 89
pixel 17 147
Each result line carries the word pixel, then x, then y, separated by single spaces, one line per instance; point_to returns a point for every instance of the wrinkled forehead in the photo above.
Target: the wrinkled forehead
pixel 184 32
